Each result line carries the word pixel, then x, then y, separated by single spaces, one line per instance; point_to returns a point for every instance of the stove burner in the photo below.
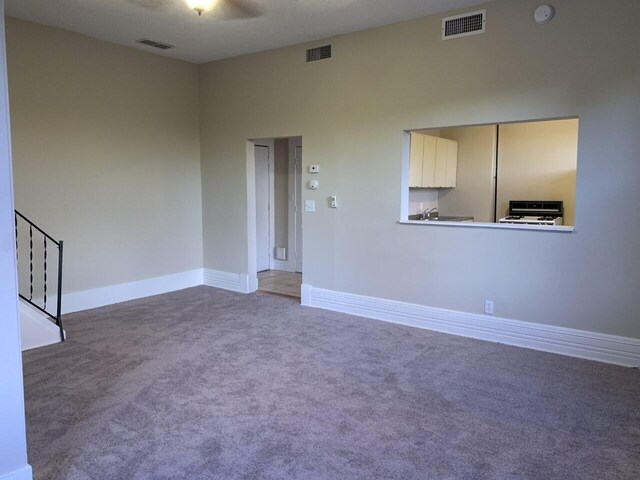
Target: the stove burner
pixel 546 219
pixel 515 217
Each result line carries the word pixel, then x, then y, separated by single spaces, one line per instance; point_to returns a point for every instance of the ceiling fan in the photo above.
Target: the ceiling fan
pixel 200 5
pixel 226 9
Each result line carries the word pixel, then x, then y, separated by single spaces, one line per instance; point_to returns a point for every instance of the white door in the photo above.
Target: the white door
pixel 262 208
pixel 299 208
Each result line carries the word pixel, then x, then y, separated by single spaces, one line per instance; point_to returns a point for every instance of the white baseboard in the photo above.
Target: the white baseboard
pixel 252 284
pixel 123 292
pixel 236 282
pixel 566 341
pixel 305 296
pixel 24 473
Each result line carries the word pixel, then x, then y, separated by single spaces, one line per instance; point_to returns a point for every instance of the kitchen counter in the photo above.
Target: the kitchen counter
pixel 469 223
pixel 441 218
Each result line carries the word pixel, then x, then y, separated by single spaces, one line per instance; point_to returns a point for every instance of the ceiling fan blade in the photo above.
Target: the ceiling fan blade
pixel 237 9
pixel 150 4
pixel 224 9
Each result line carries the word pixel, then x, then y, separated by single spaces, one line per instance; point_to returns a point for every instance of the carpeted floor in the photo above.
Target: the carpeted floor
pixel 208 384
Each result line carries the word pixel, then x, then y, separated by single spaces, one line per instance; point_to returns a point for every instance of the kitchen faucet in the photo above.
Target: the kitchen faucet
pixel 429 214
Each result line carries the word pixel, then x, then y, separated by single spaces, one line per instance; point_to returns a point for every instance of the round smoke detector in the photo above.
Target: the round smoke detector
pixel 543 14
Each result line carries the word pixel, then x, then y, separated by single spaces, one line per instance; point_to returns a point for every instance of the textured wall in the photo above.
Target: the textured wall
pixel 352 111
pixel 106 154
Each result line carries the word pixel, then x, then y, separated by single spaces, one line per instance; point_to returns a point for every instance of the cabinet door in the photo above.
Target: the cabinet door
pixel 429 161
pixel 452 164
pixel 442 149
pixel 415 160
pixel 446 163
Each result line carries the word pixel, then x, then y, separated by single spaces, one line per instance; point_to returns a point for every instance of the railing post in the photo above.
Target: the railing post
pixel 59 313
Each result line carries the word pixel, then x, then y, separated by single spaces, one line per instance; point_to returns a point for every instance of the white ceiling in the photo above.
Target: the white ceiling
pixel 232 27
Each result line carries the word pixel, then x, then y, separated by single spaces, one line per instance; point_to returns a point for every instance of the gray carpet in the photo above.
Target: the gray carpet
pixel 208 384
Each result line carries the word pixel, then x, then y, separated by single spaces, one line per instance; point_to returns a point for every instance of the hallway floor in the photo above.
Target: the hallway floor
pixel 281 283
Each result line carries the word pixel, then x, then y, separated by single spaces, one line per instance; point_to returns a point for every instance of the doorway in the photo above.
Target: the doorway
pixel 275 233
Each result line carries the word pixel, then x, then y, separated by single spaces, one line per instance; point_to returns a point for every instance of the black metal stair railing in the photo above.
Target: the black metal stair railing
pixel 28 284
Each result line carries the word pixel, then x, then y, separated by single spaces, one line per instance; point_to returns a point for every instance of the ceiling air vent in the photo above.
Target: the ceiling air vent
pixel 154 44
pixel 318 53
pixel 464 25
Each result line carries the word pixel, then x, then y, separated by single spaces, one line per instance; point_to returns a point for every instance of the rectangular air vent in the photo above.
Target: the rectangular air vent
pixel 471 23
pixel 154 44
pixel 318 53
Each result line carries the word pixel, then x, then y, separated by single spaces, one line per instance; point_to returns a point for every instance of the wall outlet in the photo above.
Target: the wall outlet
pixel 488 307
pixel 309 205
pixel 333 201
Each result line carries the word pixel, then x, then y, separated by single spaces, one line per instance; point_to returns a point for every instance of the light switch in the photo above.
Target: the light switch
pixel 309 205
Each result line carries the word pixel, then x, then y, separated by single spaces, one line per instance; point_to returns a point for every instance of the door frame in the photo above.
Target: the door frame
pixel 252 260
pixel 295 186
pixel 252 234
pixel 269 144
pixel 13 455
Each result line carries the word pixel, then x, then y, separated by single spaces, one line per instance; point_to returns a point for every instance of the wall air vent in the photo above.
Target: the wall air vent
pixel 318 53
pixel 154 44
pixel 471 23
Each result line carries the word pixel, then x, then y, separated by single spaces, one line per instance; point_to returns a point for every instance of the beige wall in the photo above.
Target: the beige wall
pixel 352 111
pixel 106 154
pixel 281 194
pixel 537 161
pixel 473 195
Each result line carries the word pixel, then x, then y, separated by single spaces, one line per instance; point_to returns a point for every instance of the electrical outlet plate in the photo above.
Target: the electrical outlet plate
pixel 488 307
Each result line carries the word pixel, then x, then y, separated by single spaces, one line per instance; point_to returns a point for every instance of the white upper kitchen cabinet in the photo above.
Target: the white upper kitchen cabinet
pixel 415 160
pixel 446 163
pixel 433 162
pixel 429 160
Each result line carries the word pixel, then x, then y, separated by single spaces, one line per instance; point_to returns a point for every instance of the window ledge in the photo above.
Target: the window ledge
pixel 499 226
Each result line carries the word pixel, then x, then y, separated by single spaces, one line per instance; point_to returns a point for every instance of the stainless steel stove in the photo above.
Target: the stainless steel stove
pixel 531 212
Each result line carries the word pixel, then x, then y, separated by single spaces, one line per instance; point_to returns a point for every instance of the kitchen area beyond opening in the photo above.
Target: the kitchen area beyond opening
pixel 520 174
